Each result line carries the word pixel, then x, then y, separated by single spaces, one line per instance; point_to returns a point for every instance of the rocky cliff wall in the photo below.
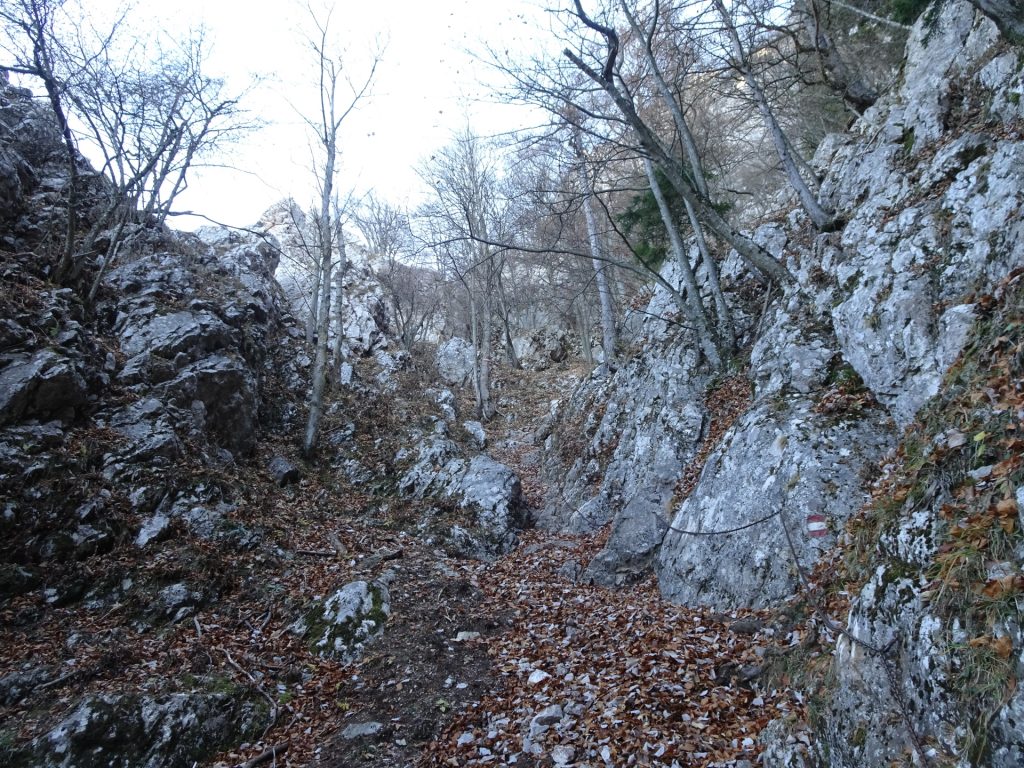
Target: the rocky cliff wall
pixel 929 184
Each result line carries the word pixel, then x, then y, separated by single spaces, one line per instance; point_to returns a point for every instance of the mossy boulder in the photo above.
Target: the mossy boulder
pixel 341 626
pixel 118 731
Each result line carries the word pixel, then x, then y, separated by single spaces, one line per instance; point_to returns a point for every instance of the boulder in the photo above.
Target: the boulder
pixel 492 491
pixel 476 431
pixel 341 626
pixel 220 391
pixel 16 580
pixel 438 467
pixel 455 361
pixel 167 335
pixel 283 471
pixel 15 685
pixel 778 465
pixel 445 401
pixel 148 431
pixel 141 731
pixel 39 384
pixel 542 348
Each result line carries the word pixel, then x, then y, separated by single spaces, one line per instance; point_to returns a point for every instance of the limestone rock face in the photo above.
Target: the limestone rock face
pixel 542 348
pixel 493 492
pixel 10 186
pixel 202 362
pixel 615 450
pixel 486 489
pixel 934 207
pixel 902 309
pixel 39 384
pixel 220 392
pixel 130 731
pixel 188 333
pixel 780 463
pixel 455 362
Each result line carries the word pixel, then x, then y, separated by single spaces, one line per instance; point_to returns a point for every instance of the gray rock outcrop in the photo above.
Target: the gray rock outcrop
pixel 889 312
pixel 127 731
pixel 616 450
pixel 542 348
pixel 455 361
pixel 490 492
pixel 779 464
pixel 341 626
pixel 37 385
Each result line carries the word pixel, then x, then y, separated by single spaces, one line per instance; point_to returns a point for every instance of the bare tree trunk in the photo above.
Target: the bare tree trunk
pixel 608 331
pixel 856 91
pixel 327 126
pixel 822 219
pixel 726 331
pixel 689 144
pixel 510 348
pixel 693 307
pixel 726 327
pixel 316 400
pixel 479 390
pixel 326 232
pixel 108 258
pixel 314 305
pixel 584 320
pixel 486 410
pixel 339 294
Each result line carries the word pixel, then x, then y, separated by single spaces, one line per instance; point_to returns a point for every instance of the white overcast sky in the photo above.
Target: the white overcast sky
pixel 427 86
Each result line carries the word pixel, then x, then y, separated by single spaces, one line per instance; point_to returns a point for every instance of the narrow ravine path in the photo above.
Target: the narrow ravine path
pixel 594 677
pixel 506 663
pixel 588 676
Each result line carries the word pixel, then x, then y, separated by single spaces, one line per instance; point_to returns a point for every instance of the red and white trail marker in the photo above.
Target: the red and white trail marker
pixel 817 526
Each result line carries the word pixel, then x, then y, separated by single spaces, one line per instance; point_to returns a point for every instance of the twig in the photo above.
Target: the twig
pixel 199 629
pixel 57 681
pixel 266 620
pixel 269 754
pixel 259 688
pixel 315 553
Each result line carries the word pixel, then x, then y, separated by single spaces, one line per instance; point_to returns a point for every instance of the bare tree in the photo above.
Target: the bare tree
pixel 38 57
pixel 604 75
pixel 334 107
pixel 152 126
pixel 726 331
pixel 741 61
pixel 693 307
pixel 856 91
pixel 461 222
pixel 148 109
pixel 608 328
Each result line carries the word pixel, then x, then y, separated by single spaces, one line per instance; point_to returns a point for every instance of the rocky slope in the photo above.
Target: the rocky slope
pixel 174 580
pixel 177 586
pixel 732 502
